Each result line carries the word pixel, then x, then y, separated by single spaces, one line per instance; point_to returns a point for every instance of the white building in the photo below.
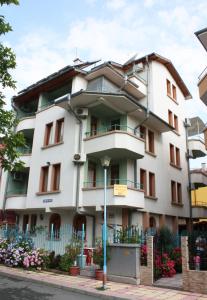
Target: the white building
pixel 132 113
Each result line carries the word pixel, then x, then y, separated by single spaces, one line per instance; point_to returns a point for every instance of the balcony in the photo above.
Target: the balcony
pixel 28 123
pixel 198 178
pixel 197 147
pixel 93 194
pixel 16 202
pixel 202 86
pixel 117 141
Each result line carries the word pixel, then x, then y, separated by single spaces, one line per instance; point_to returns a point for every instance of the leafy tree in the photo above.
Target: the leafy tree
pixel 9 140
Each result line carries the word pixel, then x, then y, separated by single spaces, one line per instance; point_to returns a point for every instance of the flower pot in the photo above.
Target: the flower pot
pixel 99 274
pixel 74 271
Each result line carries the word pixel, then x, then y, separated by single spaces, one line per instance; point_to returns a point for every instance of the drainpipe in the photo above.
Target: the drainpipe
pixel 145 119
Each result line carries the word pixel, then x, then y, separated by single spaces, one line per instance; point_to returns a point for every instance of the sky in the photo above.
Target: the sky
pixel 47 35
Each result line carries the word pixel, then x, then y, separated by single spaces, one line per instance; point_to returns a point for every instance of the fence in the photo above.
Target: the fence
pixel 42 237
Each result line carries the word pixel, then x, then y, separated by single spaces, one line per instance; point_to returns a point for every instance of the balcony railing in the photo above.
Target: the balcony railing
pixel 25 150
pixel 111 182
pixel 118 127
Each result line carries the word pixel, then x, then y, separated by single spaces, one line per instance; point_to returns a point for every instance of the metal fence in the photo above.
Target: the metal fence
pixel 197 246
pixel 42 237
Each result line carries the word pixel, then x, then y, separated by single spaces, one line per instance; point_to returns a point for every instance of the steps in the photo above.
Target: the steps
pixel 89 271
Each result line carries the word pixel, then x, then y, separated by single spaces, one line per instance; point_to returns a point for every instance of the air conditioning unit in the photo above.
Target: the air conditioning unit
pixel 17 176
pixel 79 158
pixel 82 112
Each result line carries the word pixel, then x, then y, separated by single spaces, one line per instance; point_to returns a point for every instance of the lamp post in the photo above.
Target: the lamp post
pixel 105 161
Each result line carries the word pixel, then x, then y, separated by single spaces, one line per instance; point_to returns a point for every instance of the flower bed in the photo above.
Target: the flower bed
pixel 22 254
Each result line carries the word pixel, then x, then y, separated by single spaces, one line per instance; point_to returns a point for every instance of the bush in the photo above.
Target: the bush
pixel 54 260
pixel 65 262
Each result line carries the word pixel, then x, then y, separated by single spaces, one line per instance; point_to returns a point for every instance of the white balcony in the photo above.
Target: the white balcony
pixel 16 202
pixel 94 197
pixel 26 123
pixel 199 177
pixel 199 212
pixel 197 147
pixel 116 144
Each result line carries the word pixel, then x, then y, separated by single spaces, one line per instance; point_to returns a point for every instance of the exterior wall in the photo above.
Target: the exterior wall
pixel 193 281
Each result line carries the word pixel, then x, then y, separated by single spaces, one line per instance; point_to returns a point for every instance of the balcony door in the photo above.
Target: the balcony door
pixel 114 174
pixel 94 125
pixel 115 124
pixel 92 174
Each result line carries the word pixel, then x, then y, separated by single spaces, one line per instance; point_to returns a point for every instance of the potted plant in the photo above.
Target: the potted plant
pixel 98 259
pixel 72 251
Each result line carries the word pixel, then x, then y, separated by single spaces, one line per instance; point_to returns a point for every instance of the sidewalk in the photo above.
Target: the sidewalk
pixel 89 286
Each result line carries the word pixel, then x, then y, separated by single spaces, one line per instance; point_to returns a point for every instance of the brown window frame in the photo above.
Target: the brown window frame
pixel 55 182
pixel 177 156
pixel 58 129
pixel 48 133
pixel 143 180
pixel 44 177
pixel 151 141
pixel 115 174
pixel 179 193
pixel 173 192
pixel 170 118
pixel 152 192
pixel 174 92
pixel 168 85
pixel 176 123
pixel 172 154
pixel 92 167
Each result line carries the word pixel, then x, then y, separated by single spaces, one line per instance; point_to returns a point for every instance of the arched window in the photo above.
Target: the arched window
pixel 152 222
pixel 54 225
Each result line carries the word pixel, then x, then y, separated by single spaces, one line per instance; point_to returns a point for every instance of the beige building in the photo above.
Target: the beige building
pixel 132 113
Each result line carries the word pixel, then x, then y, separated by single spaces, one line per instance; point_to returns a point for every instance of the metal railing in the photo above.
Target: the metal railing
pixel 16 191
pixel 115 127
pixel 25 150
pixel 111 182
pixel 197 246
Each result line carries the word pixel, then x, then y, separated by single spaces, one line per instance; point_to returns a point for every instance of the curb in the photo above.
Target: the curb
pixel 59 286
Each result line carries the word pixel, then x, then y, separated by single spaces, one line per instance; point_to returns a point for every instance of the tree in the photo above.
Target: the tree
pixel 9 140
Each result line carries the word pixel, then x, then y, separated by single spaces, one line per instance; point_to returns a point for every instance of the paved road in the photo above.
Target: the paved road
pixel 17 289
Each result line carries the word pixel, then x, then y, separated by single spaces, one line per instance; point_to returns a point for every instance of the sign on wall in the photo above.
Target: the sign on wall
pixel 120 190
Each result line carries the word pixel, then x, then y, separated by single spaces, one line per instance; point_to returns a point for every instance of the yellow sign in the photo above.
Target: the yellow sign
pixel 120 190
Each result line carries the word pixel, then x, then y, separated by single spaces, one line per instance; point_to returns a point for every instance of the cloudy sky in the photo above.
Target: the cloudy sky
pixel 47 34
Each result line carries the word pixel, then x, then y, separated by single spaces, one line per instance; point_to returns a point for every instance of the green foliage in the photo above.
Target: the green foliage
pixel 98 257
pixel 54 260
pixel 65 262
pixel 73 249
pixel 9 140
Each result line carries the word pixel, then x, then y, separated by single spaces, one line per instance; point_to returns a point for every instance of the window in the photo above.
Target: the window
pixel 174 94
pixel 176 123
pixel 142 132
pixel 170 117
pixel 55 177
pixel 48 134
pixel 114 174
pixel 172 155
pixel 151 141
pixel 179 193
pixel 168 87
pixel 176 192
pixel 143 180
pixel 94 125
pixel 151 184
pixel 173 191
pixel 54 226
pixel 115 124
pixel 177 156
pixel 44 179
pixel 59 131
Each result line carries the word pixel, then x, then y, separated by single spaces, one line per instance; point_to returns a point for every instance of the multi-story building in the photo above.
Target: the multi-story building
pixel 132 113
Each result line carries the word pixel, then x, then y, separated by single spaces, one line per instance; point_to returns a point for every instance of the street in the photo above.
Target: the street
pixel 14 289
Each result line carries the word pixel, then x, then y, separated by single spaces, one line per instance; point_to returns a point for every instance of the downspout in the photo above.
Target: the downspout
pixel 145 119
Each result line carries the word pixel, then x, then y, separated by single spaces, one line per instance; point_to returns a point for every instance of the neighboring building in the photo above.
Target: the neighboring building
pixel 133 113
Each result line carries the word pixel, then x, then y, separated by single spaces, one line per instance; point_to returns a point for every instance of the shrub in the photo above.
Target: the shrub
pixel 65 262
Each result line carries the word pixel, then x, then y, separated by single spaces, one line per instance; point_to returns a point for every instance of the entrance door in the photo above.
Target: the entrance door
pixel 78 222
pixel 114 174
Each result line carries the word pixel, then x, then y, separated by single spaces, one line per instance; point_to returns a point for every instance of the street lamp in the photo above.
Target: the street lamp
pixel 105 161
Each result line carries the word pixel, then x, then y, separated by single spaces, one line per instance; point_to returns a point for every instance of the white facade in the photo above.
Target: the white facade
pixel 114 97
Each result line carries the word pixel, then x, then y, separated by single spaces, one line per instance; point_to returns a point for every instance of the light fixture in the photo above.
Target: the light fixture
pixel 105 161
